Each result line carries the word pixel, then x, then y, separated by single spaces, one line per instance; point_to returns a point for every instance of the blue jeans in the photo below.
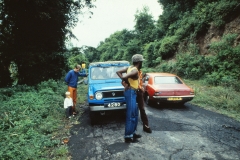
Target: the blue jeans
pixel 131 113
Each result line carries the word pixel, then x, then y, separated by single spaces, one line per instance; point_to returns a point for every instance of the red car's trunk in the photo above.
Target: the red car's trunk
pixel 172 89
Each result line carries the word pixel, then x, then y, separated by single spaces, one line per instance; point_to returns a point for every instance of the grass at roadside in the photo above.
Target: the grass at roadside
pixel 216 98
pixel 33 123
pixel 82 93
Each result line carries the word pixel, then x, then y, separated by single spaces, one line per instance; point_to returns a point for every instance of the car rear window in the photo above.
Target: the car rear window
pixel 167 80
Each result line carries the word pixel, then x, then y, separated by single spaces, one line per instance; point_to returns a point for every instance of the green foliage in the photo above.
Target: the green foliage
pixel 61 151
pixel 119 46
pixel 224 65
pixel 82 93
pixel 75 56
pixel 167 66
pixel 6 93
pixel 168 47
pixel 148 54
pixel 145 26
pixel 220 68
pixel 92 54
pixel 29 120
pixel 33 35
pixel 191 66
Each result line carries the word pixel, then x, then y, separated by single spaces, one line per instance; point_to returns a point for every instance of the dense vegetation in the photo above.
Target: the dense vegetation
pixel 32 120
pixel 32 38
pixel 34 60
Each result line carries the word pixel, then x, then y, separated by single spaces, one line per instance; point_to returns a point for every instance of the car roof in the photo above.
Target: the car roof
pixel 160 74
pixel 109 62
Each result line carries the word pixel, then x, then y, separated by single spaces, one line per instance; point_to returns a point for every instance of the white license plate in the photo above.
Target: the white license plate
pixel 114 104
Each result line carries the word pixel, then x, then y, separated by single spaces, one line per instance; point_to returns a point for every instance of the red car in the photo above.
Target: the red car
pixel 166 87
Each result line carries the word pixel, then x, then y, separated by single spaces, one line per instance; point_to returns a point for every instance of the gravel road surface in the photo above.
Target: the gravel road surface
pixel 179 132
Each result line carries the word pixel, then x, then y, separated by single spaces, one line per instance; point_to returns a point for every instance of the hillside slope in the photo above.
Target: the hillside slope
pixel 214 34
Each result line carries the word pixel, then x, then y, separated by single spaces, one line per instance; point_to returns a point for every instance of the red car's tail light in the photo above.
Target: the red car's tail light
pixel 192 93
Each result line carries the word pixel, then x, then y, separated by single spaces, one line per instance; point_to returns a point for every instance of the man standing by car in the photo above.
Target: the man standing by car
pixel 130 94
pixel 71 79
pixel 140 101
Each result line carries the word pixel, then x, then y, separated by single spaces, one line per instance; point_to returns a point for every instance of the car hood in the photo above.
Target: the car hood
pixel 106 86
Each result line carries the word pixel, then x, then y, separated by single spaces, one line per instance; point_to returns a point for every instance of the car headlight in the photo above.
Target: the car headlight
pixel 98 95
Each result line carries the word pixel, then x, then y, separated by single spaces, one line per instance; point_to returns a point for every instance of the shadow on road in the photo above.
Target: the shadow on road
pixel 168 106
pixel 109 117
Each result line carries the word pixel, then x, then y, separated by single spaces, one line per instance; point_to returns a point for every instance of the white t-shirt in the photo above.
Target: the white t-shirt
pixel 68 102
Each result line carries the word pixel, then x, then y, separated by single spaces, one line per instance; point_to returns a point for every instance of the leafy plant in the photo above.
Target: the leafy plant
pixel 31 120
pixel 224 65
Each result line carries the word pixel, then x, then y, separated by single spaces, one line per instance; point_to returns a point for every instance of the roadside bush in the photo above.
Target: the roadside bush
pixel 192 66
pixel 224 65
pixel 30 119
pixel 6 93
pixel 148 54
pixel 167 66
pixel 168 47
pixel 47 85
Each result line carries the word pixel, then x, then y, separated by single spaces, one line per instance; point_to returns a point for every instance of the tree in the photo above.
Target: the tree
pixel 33 35
pixel 92 54
pixel 145 26
pixel 116 47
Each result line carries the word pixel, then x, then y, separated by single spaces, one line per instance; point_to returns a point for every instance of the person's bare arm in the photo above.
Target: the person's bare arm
pixel 133 74
pixel 120 72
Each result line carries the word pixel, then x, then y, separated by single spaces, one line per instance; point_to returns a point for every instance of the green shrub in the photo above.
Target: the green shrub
pixel 6 93
pixel 167 66
pixel 191 66
pixel 224 65
pixel 29 120
pixel 168 47
pixel 47 85
pixel 149 55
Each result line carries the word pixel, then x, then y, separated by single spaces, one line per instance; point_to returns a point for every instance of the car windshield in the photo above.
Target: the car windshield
pixel 167 80
pixel 105 72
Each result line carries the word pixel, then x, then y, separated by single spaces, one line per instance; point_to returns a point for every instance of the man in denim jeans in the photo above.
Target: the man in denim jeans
pixel 130 94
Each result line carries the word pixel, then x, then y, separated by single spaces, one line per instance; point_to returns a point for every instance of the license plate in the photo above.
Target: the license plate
pixel 174 99
pixel 114 104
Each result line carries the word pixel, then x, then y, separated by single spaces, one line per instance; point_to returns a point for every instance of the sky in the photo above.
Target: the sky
pixel 108 17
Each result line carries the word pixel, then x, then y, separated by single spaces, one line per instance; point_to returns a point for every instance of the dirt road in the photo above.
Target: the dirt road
pixel 186 132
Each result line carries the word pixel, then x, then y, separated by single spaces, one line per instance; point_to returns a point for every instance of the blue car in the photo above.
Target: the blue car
pixel 105 91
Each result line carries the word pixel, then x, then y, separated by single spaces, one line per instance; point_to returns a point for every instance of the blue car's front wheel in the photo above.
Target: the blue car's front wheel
pixel 92 116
